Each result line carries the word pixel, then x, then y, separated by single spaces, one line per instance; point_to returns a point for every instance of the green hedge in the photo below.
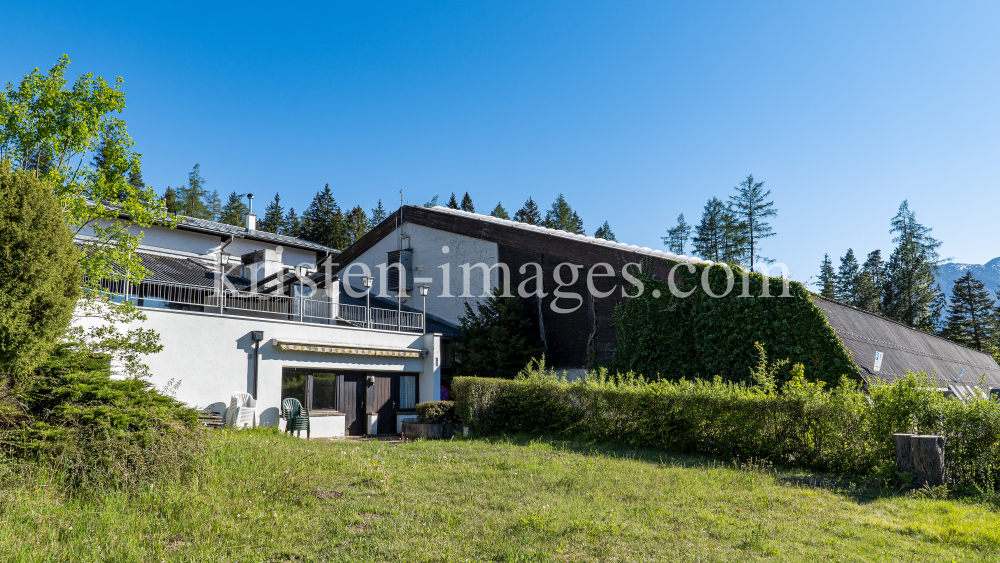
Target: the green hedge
pixel 803 424
pixel 700 336
pixel 436 412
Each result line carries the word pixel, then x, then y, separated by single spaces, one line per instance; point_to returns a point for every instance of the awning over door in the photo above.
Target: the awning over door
pixel 343 349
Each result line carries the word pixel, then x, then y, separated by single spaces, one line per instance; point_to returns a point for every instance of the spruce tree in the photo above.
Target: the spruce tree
pixel 499 212
pixel 562 217
pixel 214 205
pixel 720 236
pixel 467 204
pixel 848 278
pixel 323 222
pixel 234 211
pixel 972 316
pixel 432 203
pixel 498 339
pixel 752 211
pixel 912 294
pixel 135 179
pixel 379 214
pixel 292 225
pixel 528 214
pixel 191 198
pixel 453 203
pixel 170 201
pixel 871 283
pixel 356 223
pixel 605 232
pixel 677 237
pixel 274 217
pixel 827 279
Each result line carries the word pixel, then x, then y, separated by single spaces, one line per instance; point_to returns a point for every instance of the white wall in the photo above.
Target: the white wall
pixel 212 356
pixel 427 244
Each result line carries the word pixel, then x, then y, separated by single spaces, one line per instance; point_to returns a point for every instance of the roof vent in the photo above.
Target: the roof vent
pixel 251 218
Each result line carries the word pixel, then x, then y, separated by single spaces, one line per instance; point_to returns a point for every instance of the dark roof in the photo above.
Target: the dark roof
pixel 905 348
pixel 212 227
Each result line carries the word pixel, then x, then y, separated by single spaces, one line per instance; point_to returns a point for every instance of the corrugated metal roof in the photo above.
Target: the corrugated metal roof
pixel 904 348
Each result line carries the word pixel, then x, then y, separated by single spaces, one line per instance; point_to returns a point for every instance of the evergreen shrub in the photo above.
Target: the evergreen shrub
pixel 799 423
pixel 436 412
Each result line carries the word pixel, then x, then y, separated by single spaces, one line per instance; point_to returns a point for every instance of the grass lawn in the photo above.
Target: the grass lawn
pixel 263 496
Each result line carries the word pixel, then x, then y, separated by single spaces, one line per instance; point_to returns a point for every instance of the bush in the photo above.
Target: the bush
pixel 802 424
pixel 98 432
pixel 700 336
pixel 39 274
pixel 437 412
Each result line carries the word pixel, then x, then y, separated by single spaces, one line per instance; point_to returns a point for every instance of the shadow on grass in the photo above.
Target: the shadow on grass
pixel 861 490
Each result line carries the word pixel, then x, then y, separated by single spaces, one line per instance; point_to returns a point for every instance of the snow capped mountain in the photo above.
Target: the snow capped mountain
pixel 988 273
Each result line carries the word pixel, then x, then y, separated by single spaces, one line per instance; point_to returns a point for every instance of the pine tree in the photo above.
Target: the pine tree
pixel 170 200
pixel 214 205
pixel 356 223
pixel 528 214
pixel 871 283
pixel 827 278
pixel 467 204
pixel 605 233
pixel 752 210
pixel 191 198
pixel 234 211
pixel 848 278
pixel 323 222
pixel 912 295
pixel 498 339
pixel 972 316
pixel 379 214
pixel 677 237
pixel 274 217
pixel 562 217
pixel 452 203
pixel 499 212
pixel 293 225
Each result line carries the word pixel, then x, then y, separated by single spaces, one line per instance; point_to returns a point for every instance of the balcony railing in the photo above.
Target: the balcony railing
pixel 179 296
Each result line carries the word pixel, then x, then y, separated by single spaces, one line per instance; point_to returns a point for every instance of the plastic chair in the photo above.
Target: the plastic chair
pixel 296 417
pixel 242 411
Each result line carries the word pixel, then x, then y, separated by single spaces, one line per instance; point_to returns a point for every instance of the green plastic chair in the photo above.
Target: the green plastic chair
pixel 296 417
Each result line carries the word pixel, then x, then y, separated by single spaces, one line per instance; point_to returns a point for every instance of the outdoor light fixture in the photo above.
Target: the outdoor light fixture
pixel 368 281
pixel 424 289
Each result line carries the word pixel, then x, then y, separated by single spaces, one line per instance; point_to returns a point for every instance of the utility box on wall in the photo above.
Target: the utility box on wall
pixel 405 258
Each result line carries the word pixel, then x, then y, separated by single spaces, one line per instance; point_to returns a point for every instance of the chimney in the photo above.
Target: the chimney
pixel 251 218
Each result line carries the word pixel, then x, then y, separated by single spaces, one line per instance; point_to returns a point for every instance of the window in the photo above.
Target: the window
pixel 293 385
pixel 324 391
pixel 407 392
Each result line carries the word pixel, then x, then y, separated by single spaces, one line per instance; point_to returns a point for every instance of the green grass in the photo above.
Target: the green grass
pixel 266 497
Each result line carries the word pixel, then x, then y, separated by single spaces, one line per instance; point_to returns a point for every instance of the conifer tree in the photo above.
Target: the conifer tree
pixel 292 225
pixel 562 217
pixel 453 203
pixel 720 236
pixel 827 278
pixel 972 316
pixel 191 199
pixel 214 205
pixel 356 223
pixel 498 339
pixel 379 214
pixel 605 232
pixel 848 278
pixel 170 201
pixel 432 203
pixel 528 214
pixel 135 179
pixel 871 283
pixel 499 212
pixel 912 295
pixel 234 211
pixel 274 217
pixel 677 237
pixel 323 221
pixel 752 210
pixel 467 204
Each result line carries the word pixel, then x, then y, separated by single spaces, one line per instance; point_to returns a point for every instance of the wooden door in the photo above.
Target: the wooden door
pixel 383 401
pixel 350 401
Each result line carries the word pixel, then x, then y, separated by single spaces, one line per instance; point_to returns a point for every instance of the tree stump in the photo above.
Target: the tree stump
pixel 928 459
pixel 904 457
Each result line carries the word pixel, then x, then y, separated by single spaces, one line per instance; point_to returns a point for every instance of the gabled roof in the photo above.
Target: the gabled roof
pixel 511 233
pixel 904 348
pixel 223 229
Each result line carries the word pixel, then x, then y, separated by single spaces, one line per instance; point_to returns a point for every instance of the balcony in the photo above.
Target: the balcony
pixel 185 297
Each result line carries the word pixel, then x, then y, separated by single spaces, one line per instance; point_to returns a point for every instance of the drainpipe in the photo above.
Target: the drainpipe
pixel 256 336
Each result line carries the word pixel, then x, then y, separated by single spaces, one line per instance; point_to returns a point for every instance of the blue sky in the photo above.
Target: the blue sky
pixel 635 111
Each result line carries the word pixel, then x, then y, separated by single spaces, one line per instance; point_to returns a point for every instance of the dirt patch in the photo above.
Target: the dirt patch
pixel 359 528
pixel 371 515
pixel 327 493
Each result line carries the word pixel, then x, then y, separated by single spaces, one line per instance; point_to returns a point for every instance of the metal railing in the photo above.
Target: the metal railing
pixel 179 296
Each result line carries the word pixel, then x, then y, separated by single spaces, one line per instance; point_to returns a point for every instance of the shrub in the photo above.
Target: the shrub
pixel 804 423
pixel 39 274
pixel 99 432
pixel 437 412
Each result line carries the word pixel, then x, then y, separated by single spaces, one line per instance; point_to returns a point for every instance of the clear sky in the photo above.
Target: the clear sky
pixel 635 111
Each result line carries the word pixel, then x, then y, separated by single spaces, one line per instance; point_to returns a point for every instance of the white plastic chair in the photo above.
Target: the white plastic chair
pixel 242 411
